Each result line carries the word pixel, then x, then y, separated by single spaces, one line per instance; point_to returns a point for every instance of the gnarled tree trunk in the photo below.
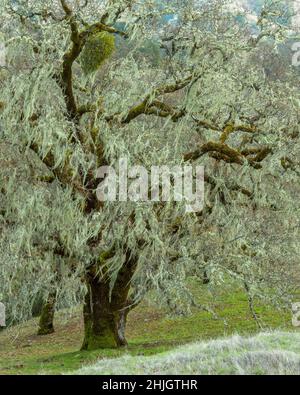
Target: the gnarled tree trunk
pixel 46 326
pixel 104 325
pixel 105 312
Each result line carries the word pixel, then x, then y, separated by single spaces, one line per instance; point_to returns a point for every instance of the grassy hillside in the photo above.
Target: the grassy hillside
pixel 150 331
pixel 276 353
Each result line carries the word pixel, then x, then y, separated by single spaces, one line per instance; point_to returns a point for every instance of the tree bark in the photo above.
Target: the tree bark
pixel 104 324
pixel 105 311
pixel 46 326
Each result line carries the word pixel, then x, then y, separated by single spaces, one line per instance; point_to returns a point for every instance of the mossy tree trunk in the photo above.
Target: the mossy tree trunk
pixel 105 311
pixel 46 326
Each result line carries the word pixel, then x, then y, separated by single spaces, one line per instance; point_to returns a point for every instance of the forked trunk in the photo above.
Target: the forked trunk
pixel 46 326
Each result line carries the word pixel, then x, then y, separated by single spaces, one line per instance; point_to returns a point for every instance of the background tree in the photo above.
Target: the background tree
pixel 205 99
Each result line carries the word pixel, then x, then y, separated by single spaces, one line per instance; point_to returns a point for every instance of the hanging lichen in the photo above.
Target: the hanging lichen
pixel 97 49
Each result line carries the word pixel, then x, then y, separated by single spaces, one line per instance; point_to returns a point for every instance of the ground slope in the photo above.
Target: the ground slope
pixel 276 353
pixel 150 331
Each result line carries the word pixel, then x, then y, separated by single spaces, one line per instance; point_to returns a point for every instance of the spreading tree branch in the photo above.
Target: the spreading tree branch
pixel 151 106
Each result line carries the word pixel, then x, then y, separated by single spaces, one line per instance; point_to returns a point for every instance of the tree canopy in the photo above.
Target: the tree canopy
pixel 66 111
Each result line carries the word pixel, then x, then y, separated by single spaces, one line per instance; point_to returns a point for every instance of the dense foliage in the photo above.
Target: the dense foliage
pixel 207 99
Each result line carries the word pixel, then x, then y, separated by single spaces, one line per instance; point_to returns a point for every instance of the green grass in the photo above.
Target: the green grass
pixel 150 331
